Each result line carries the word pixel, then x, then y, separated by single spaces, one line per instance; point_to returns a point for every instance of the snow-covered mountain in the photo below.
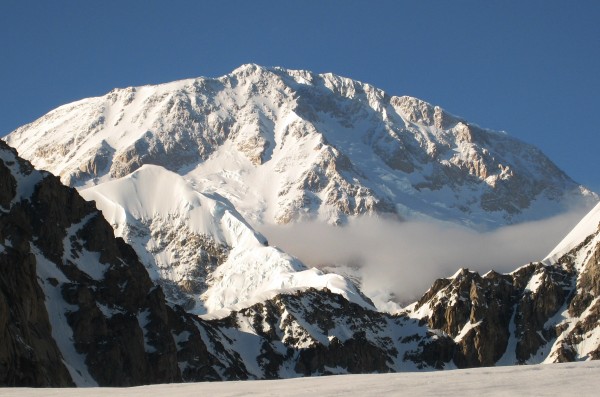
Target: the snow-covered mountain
pixel 184 170
pixel 285 145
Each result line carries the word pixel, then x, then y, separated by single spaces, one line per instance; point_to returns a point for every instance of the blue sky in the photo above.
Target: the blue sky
pixel 531 68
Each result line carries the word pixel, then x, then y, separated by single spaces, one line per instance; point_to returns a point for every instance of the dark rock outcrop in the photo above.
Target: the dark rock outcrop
pixel 513 318
pixel 61 267
pixel 28 353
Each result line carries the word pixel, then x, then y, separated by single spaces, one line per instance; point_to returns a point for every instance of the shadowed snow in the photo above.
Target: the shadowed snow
pixel 533 380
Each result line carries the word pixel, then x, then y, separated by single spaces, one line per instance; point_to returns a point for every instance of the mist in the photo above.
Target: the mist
pixel 396 262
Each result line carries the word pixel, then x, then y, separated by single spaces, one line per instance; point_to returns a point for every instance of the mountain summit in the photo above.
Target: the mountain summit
pixel 287 145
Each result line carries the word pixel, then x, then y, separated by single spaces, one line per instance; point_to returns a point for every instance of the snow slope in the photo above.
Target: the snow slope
pixel 198 246
pixel 587 226
pixel 535 380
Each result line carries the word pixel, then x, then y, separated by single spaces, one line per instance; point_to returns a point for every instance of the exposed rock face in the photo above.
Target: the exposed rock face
pixel 71 293
pixel 302 146
pixel 580 337
pixel 316 332
pixel 193 257
pixel 475 311
pixel 29 355
pixel 539 313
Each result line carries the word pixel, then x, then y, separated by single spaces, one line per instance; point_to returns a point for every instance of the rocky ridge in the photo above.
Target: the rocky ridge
pixel 542 312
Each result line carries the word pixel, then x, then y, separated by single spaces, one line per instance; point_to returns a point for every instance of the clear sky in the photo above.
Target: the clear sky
pixel 531 68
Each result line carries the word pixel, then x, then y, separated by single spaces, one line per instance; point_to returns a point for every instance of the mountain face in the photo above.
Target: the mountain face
pixel 285 145
pixel 198 247
pixel 77 307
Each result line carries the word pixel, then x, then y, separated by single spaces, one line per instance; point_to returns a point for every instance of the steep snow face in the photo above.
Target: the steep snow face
pixel 285 145
pixel 198 247
pixel 587 226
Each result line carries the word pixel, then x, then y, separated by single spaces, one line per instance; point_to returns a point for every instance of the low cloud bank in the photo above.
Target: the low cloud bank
pixel 402 259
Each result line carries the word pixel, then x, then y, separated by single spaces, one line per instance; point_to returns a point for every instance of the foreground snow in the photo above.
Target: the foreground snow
pixel 582 378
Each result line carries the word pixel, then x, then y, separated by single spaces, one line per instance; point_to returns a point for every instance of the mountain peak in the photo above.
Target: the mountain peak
pixel 247 69
pixel 303 146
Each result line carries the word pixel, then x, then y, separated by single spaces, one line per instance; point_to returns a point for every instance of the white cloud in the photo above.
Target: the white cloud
pixel 404 258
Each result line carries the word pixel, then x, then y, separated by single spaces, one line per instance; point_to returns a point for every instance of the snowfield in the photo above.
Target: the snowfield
pixel 582 378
